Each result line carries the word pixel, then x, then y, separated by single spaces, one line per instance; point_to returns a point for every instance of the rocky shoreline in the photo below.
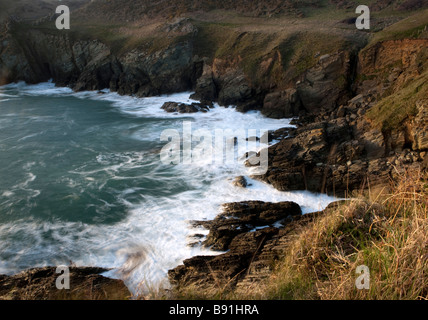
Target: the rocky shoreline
pixel 40 284
pixel 322 155
pixel 254 235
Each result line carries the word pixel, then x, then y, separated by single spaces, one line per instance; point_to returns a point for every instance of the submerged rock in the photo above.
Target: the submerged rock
pixel 184 108
pixel 240 182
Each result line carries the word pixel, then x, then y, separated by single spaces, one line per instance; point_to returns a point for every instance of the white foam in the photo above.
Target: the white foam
pixel 8 194
pixel 7 95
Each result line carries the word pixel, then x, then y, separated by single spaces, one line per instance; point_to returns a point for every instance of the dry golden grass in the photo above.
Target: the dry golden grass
pixel 388 234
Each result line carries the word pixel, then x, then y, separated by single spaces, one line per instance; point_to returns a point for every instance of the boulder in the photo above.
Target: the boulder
pixel 184 108
pixel 240 182
pixel 250 258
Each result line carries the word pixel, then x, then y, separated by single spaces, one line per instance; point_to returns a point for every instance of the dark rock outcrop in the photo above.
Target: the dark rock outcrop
pixel 234 89
pixel 322 156
pixel 341 151
pixel 322 87
pixel 205 89
pixel 284 104
pixel 224 81
pixel 326 85
pixel 40 284
pixel 242 217
pixel 36 56
pixel 226 269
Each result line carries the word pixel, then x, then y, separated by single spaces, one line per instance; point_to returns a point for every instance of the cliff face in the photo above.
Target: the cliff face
pixel 389 65
pixel 325 85
pixel 35 56
pixel 396 73
pixel 383 126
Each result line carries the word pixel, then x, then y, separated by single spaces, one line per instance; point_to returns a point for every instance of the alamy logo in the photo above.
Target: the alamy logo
pixel 363 281
pixel 63 281
pixel 63 21
pixel 363 21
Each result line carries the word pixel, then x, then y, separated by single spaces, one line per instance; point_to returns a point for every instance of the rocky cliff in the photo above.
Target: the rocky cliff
pixel 339 149
pixel 35 56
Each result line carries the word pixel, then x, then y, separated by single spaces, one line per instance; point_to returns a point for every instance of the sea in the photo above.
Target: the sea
pixel 83 181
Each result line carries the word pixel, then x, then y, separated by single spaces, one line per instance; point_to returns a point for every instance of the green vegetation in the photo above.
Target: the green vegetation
pixel 414 26
pixel 398 102
pixel 302 50
pixel 392 110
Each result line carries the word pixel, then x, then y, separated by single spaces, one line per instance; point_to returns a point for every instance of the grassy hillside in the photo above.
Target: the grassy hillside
pixel 135 10
pixel 34 9
pixel 415 26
